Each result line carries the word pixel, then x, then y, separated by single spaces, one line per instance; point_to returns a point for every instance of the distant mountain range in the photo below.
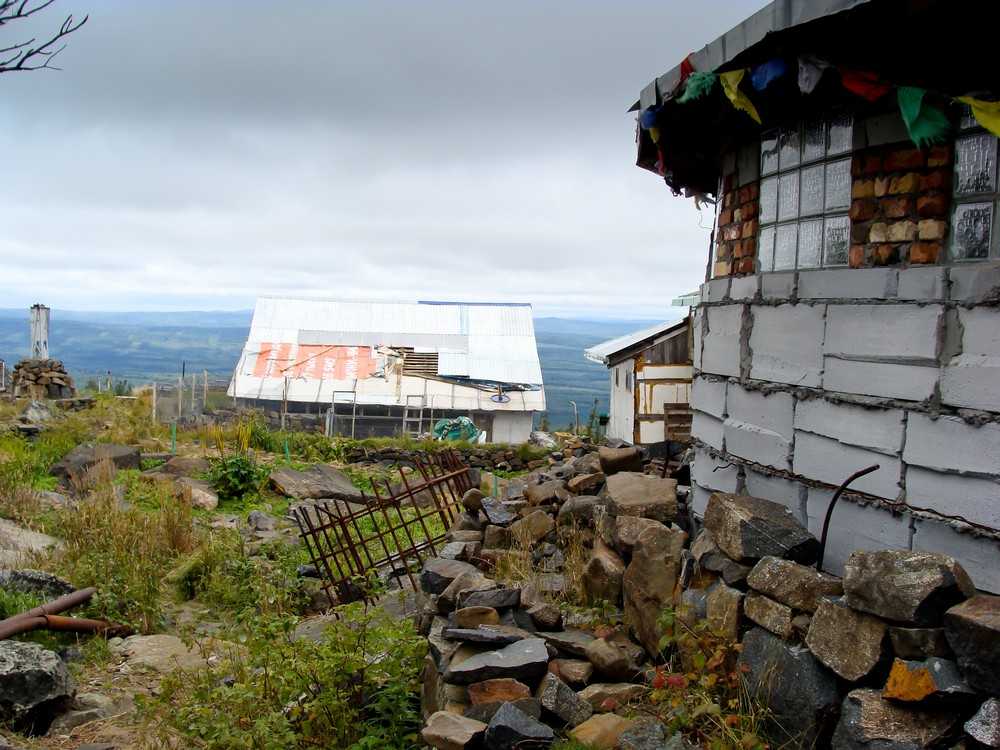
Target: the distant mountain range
pixel 142 346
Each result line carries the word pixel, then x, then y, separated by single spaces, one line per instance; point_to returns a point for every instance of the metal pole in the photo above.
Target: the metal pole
pixel 829 510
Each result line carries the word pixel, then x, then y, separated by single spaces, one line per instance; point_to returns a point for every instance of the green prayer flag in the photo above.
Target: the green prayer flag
pixel 696 86
pixel 926 124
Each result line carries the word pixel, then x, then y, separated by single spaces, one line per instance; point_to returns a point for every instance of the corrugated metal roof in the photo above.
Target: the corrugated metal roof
pixel 602 352
pixel 483 342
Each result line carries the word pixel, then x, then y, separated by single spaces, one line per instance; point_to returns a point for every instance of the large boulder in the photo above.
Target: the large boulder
pixel 185 466
pixel 650 580
pixel 642 495
pixel 37 582
pixel 448 731
pixel 904 586
pixel 580 510
pixel 748 528
pixel 511 727
pixel 792 584
pixel 533 527
pixel 83 457
pixel 201 493
pixel 315 483
pixel 526 660
pixel 869 722
pixel 18 543
pixel 583 484
pixel 35 686
pixel 801 695
pixel 560 701
pixel 602 575
pixel 973 630
pixel 613 460
pixel 850 643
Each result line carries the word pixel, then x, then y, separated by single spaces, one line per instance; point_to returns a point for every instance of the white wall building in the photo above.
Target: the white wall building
pixel 650 378
pixel 390 368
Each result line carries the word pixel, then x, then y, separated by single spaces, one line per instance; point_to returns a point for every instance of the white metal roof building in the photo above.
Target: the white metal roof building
pixel 427 359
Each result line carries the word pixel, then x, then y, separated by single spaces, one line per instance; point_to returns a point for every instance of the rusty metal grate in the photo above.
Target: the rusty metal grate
pixel 396 529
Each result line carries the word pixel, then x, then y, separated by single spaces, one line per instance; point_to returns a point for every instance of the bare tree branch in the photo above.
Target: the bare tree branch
pixel 27 56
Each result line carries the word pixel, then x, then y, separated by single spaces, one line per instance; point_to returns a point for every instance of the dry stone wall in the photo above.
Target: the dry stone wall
pixel 802 378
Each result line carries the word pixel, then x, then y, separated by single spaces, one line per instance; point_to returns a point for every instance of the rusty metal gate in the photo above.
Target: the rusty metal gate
pixel 391 533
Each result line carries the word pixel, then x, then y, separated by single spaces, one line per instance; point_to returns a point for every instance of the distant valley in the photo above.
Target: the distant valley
pixel 140 346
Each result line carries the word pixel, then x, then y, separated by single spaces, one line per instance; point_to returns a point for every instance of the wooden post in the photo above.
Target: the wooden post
pixel 180 395
pixel 194 384
pixel 154 402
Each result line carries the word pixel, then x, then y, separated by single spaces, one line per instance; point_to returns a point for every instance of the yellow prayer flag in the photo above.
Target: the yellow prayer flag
pixel 731 85
pixel 986 113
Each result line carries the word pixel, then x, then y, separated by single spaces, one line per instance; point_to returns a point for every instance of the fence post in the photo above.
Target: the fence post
pixel 204 392
pixel 180 396
pixel 154 402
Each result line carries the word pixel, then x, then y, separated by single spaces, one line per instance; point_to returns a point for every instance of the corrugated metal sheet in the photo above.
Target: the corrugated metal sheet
pixel 603 351
pixel 487 342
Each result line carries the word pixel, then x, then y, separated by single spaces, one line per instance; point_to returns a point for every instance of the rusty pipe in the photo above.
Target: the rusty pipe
pixel 833 502
pixel 24 624
pixel 56 606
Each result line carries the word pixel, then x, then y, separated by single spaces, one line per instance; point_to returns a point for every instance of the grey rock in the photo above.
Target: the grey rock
pixel 749 528
pixel 438 573
pixel 490 635
pixel 468 581
pixel 984 727
pixel 933 680
pixel 850 643
pixel 973 631
pixel 792 584
pixel 533 527
pixel 613 460
pixel 525 660
pixel 625 531
pixel 572 671
pixel 611 660
pixel 904 586
pixel 647 733
pixel 83 457
pixel 486 711
pixel 642 495
pixel 37 582
pixel 497 537
pixel 558 699
pixel 472 500
pixel 868 722
pixel 919 643
pixel 800 693
pixel 603 574
pixel 496 598
pixel 316 482
pixel 649 582
pixel 511 727
pixel 767 613
pixel 571 642
pixel 604 697
pixel 724 608
pixel 35 686
pixel 468 522
pixel 545 616
pixel 548 493
pixel 498 512
pixel 185 466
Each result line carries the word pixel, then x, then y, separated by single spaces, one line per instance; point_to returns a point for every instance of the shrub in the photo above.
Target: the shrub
pixel 123 551
pixel 357 688
pixel 235 476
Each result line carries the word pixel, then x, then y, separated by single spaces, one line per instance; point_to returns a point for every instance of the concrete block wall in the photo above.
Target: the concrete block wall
pixel 804 378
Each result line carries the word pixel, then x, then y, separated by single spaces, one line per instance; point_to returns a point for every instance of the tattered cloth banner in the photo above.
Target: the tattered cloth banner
pixel 766 73
pixel 698 84
pixel 864 84
pixel 925 124
pixel 987 114
pixel 731 86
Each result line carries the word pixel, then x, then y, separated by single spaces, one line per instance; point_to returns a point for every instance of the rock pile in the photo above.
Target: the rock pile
pixel 901 653
pixel 42 378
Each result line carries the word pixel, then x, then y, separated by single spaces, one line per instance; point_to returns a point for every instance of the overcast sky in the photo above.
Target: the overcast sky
pixel 193 155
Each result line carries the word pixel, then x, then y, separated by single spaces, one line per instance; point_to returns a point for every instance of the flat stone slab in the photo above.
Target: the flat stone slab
pixel 642 495
pixel 511 727
pixel 491 635
pixel 439 572
pixel 84 457
pixel 749 528
pixel 448 731
pixel 792 584
pixel 316 482
pixel 868 722
pixel 850 643
pixel 525 660
pixel 572 642
pixel 17 543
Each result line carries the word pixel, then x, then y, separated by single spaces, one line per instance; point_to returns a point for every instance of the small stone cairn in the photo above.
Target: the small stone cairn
pixel 42 379
pixel 899 654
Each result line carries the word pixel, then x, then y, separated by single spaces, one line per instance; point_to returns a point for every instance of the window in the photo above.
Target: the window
pixel 973 234
pixel 616 377
pixel 628 381
pixel 805 193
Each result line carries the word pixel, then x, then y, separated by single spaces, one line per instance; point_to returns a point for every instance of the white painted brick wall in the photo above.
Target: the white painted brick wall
pixel 980 330
pixel 709 396
pixel 854 527
pixel 832 462
pixel 910 382
pixel 744 287
pixel 787 343
pixel 951 444
pixel 978 555
pixel 974 282
pixel 707 429
pixel 771 411
pixel 857 283
pixel 907 332
pixel 697 320
pixel 972 380
pixel 877 429
pixel 721 346
pixel 921 283
pixel 723 480
pixel 975 499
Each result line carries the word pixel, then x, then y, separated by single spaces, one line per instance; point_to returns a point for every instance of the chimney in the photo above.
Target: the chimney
pixel 39 332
